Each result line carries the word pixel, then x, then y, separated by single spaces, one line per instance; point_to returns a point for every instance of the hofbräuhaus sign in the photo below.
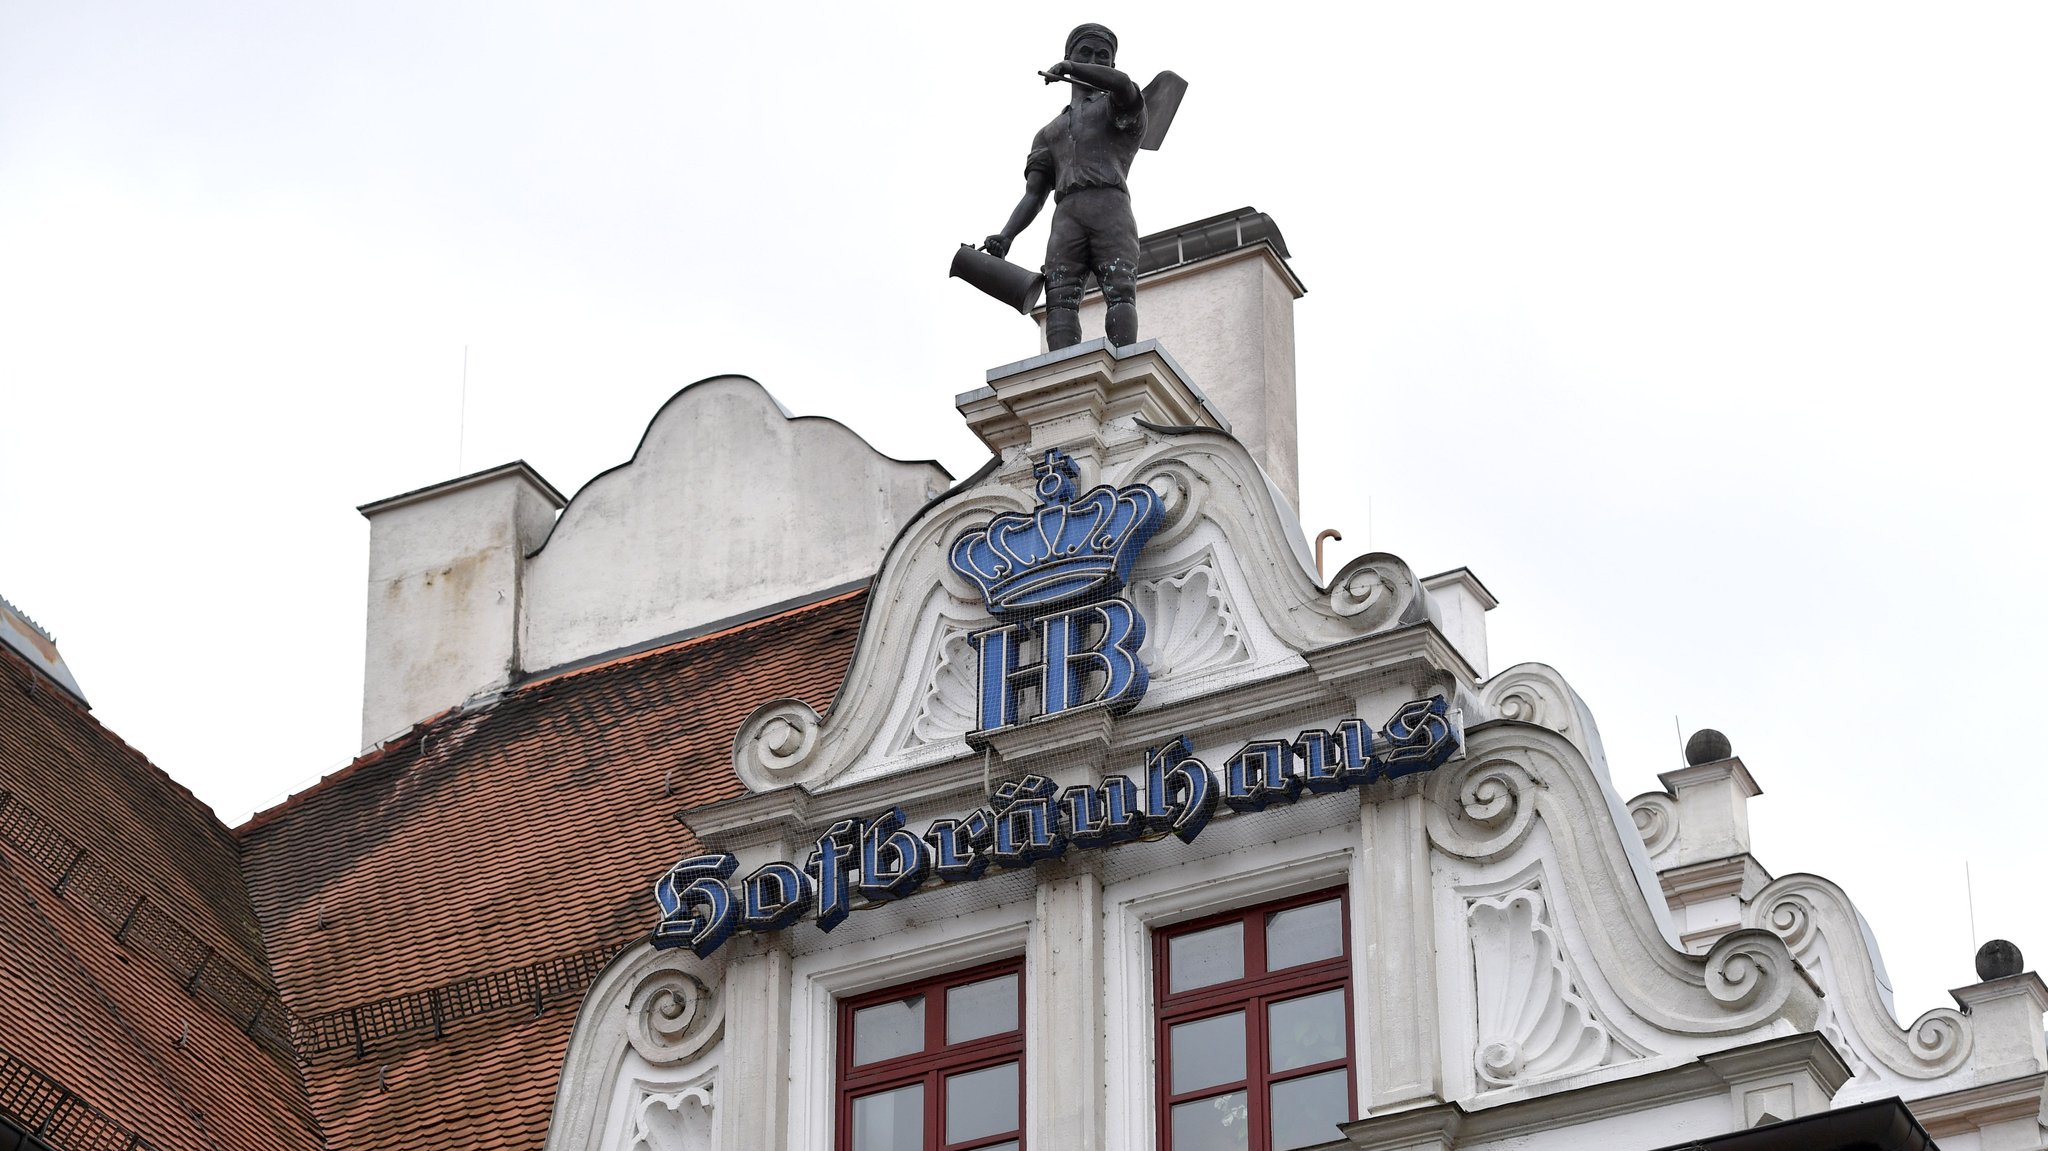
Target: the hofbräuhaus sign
pixel 1065 638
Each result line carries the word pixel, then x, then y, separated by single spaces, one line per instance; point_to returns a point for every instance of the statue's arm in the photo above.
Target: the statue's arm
pixel 1121 88
pixel 1037 186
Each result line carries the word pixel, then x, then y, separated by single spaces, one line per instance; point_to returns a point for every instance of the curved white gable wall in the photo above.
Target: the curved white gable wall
pixel 728 505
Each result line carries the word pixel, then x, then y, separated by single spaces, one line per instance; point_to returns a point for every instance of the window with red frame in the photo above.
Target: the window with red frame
pixel 936 1065
pixel 1254 1039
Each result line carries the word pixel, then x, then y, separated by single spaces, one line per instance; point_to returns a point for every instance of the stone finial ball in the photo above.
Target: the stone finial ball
pixel 1999 959
pixel 1706 746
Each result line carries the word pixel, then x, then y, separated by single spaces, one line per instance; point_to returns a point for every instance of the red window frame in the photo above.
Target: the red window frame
pixel 935 1062
pixel 1251 993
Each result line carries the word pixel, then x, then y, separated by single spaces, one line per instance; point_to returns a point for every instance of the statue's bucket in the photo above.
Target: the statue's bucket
pixel 1015 286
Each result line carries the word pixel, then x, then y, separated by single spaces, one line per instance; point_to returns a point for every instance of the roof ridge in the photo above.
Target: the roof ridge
pixel 203 809
pixel 483 705
pixel 378 754
pixel 27 619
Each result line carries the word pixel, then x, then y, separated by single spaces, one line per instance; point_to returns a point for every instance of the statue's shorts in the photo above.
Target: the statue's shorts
pixel 1092 231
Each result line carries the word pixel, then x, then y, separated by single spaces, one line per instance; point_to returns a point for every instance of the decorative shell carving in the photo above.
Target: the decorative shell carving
pixel 1190 624
pixel 673 1121
pixel 1533 1023
pixel 948 707
pixel 673 1015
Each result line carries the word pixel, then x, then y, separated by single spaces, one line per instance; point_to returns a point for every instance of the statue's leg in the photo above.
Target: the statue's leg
pixel 1064 285
pixel 1119 282
pixel 1066 278
pixel 1116 268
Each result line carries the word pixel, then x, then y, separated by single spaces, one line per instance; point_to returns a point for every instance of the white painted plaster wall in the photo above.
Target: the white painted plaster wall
pixel 728 505
pixel 443 593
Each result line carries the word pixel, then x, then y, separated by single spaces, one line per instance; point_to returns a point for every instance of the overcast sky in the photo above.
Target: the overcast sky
pixel 1710 336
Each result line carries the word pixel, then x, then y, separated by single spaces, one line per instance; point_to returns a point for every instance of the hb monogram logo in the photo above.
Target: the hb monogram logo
pixel 1052 577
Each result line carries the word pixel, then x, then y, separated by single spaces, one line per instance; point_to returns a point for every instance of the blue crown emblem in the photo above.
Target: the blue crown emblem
pixel 1072 548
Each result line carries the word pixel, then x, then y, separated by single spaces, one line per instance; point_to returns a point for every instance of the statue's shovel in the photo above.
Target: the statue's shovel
pixel 1162 100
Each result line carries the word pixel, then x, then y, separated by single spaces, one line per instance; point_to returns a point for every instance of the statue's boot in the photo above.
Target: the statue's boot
pixel 1062 328
pixel 1063 288
pixel 1119 280
pixel 1120 324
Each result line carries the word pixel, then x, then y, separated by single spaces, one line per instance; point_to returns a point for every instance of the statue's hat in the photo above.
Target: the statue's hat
pixel 1074 37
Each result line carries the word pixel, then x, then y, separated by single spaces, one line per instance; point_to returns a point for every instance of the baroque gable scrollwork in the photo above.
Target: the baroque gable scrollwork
pixel 1821 927
pixel 1226 583
pixel 672 1015
pixel 1535 693
pixel 643 1065
pixel 1518 778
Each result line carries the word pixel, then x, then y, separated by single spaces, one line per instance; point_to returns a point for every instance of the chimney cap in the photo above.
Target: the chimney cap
pixel 1209 237
pixel 519 468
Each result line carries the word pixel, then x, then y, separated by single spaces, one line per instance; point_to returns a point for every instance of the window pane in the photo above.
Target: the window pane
pixel 980 1009
pixel 980 1103
pixel 1301 935
pixel 890 1121
pixel 1306 1111
pixel 1217 1124
pixel 1207 1052
pixel 1306 1030
pixel 887 1030
pixel 1201 958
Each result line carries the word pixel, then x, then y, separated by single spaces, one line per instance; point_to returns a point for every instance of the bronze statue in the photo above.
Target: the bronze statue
pixel 1080 159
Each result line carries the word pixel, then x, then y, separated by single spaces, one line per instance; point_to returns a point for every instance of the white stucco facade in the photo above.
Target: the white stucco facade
pixel 1534 962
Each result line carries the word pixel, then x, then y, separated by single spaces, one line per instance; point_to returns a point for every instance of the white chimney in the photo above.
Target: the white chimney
pixel 1218 296
pixel 445 567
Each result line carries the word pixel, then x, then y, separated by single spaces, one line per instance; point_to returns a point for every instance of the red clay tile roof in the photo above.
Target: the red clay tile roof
pixel 130 945
pixel 446 900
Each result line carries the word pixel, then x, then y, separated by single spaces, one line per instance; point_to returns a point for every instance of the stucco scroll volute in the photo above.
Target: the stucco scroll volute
pixel 1536 693
pixel 647 1057
pixel 1484 809
pixel 1374 591
pixel 1182 491
pixel 673 1015
pixel 1820 926
pixel 773 748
